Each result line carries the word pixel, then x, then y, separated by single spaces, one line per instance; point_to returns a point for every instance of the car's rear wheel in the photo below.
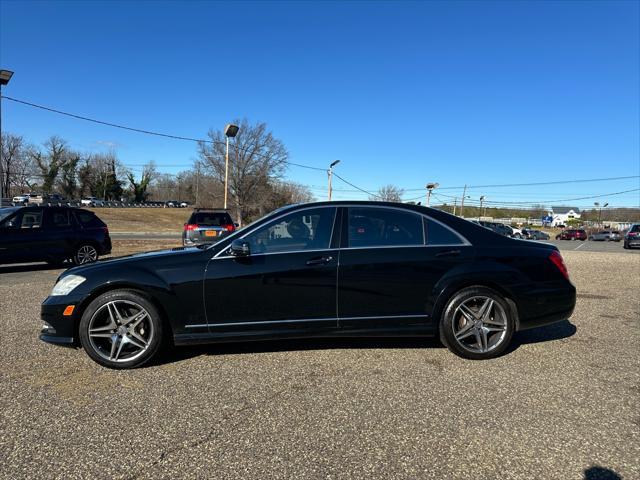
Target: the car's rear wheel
pixel 477 323
pixel 121 329
pixel 85 253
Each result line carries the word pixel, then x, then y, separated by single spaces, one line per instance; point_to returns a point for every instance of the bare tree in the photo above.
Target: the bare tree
pixel 256 156
pixel 388 193
pixel 13 151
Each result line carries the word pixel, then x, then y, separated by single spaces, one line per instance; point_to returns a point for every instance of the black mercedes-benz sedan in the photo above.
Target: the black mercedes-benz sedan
pixel 328 269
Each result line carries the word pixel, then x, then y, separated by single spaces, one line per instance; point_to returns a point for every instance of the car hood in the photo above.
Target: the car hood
pixel 134 259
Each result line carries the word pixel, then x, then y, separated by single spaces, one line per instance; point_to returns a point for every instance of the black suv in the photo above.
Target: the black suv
pixel 207 226
pixel 52 235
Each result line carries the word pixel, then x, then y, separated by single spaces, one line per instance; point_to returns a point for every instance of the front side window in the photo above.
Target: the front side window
pixel 25 220
pixel 379 227
pixel 302 230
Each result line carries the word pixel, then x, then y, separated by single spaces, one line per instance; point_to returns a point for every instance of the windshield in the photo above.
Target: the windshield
pixel 5 212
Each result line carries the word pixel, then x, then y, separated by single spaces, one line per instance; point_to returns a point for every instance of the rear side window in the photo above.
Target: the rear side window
pixel 378 227
pixel 438 234
pixel 211 219
pixel 88 219
pixel 60 218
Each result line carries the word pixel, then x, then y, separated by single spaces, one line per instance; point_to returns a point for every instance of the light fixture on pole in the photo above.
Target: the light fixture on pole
pixel 430 187
pixel 230 131
pixel 330 174
pixel 5 76
pixel 481 205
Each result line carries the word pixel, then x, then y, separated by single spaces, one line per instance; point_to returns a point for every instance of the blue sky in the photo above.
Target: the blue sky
pixel 402 92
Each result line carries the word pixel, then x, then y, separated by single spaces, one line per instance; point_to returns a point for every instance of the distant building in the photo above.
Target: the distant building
pixel 561 215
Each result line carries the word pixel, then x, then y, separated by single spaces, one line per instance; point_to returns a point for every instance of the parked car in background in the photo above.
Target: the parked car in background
pixel 632 237
pixel 92 202
pixel 327 269
pixel 52 235
pixel 606 236
pixel 572 234
pixel 207 226
pixel 176 204
pixel 531 234
pixel 516 233
pixel 24 198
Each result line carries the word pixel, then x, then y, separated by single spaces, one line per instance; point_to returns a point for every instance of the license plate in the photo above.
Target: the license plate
pixel 210 233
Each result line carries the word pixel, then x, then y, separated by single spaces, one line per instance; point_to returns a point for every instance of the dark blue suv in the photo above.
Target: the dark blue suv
pixel 52 235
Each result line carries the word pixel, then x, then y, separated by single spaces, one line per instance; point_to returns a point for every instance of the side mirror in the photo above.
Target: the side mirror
pixel 240 248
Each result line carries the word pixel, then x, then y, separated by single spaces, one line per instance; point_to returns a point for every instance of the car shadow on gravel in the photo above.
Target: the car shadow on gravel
pixel 298 345
pixel 548 333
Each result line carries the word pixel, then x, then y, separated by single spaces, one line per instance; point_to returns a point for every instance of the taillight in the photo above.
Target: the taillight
pixel 557 260
pixel 190 226
pixel 230 228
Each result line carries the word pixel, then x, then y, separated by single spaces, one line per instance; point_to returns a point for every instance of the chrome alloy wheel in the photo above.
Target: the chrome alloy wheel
pixel 120 331
pixel 86 254
pixel 479 324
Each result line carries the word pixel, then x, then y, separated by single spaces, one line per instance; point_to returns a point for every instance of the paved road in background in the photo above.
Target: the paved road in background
pixel 562 404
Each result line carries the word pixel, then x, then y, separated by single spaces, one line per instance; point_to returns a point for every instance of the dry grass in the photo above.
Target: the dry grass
pixel 144 219
pixel 128 247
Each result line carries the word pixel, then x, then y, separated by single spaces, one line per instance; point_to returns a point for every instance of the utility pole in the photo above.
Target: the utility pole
pixel 197 181
pixel 464 194
pixel 5 76
pixel 330 174
pixel 229 131
pixel 430 187
pixel 481 205
pixel 455 204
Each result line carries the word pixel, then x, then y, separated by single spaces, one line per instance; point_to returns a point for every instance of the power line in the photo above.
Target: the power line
pixel 556 182
pixel 356 187
pixel 146 132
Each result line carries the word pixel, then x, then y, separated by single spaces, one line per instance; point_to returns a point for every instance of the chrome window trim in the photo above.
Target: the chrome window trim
pixel 324 319
pixel 464 241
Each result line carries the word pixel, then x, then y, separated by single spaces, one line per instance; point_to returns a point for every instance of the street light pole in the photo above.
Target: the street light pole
pixel 481 205
pixel 330 175
pixel 5 76
pixel 464 195
pixel 430 187
pixel 229 131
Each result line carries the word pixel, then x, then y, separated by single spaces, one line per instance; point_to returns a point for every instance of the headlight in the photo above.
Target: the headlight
pixel 66 285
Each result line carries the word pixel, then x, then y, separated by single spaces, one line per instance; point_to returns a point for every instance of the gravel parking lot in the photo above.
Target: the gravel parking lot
pixel 563 403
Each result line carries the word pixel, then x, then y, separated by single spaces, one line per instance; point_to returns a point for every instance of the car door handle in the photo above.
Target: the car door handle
pixel 448 253
pixel 319 261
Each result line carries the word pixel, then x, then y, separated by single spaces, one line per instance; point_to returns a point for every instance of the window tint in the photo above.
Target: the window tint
pixel 26 219
pixel 211 219
pixel 303 230
pixel 437 234
pixel 374 227
pixel 635 228
pixel 60 218
pixel 88 219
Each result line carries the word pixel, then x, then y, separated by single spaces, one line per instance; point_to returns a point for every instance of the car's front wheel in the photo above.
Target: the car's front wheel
pixel 121 329
pixel 477 323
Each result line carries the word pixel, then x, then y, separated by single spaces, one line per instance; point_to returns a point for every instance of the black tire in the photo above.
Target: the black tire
pixel 85 253
pixel 625 246
pixel 450 319
pixel 99 349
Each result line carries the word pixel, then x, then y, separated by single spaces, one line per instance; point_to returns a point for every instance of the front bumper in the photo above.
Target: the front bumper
pixel 633 242
pixel 59 329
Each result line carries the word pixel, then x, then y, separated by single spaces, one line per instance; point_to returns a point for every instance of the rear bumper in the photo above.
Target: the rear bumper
pixel 545 306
